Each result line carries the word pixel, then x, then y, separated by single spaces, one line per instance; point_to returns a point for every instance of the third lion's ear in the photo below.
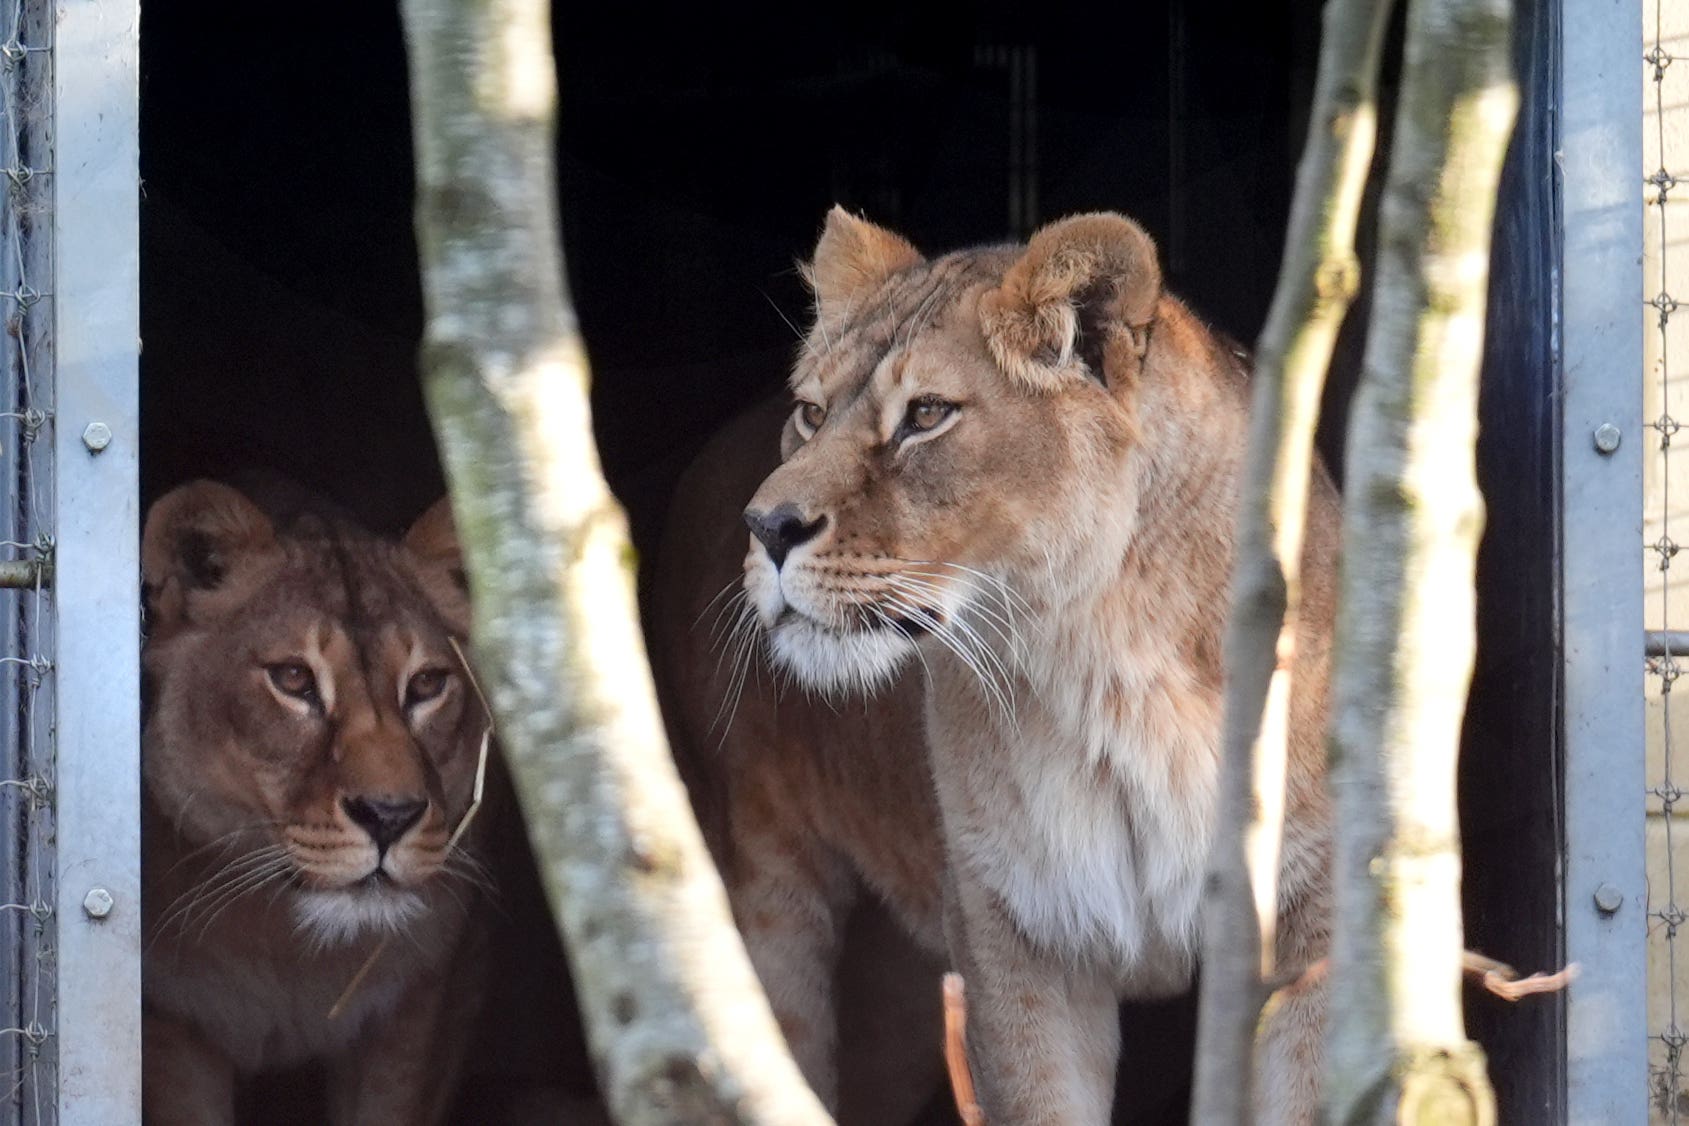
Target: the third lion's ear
pixel 438 556
pixel 1079 301
pixel 196 537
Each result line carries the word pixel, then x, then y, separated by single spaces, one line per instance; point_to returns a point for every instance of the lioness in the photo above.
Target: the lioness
pixel 1018 467
pixel 311 741
pixel 821 816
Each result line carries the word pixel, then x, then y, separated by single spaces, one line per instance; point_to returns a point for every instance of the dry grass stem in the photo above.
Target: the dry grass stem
pixel 956 1051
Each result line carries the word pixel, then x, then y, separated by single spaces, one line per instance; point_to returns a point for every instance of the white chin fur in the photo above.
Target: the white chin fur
pixel 838 662
pixel 334 917
pixel 821 658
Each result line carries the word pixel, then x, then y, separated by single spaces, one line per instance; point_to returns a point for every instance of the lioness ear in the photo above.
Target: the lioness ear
pixel 195 536
pixel 433 546
pixel 1083 293
pixel 852 259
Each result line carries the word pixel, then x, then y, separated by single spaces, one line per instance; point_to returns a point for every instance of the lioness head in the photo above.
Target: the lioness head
pixel 308 716
pixel 963 441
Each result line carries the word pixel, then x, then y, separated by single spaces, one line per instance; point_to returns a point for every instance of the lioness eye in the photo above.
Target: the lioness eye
pixel 927 412
pixel 425 686
pixel 294 679
pixel 811 416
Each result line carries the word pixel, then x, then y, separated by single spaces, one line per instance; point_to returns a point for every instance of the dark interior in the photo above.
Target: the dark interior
pixel 695 164
pixel 697 154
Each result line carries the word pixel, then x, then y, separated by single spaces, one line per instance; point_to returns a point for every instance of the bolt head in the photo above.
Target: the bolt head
pixel 97 437
pixel 1607 437
pixel 1608 899
pixel 98 903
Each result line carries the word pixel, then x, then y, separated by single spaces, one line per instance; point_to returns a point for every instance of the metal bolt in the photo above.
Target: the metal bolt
pixel 1607 438
pixel 97 437
pixel 1608 899
pixel 98 903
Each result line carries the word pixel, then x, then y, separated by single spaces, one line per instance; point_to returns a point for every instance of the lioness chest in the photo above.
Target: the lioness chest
pixel 1088 810
pixel 266 1004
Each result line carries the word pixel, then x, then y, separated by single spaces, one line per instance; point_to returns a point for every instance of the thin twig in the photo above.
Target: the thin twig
pixel 1495 977
pixel 1504 981
pixel 956 1051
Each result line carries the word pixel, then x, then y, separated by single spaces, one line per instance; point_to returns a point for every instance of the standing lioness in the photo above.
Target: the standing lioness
pixel 1019 466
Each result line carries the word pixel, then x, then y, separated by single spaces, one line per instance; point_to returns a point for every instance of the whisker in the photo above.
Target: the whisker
pixel 891 623
pixel 477 875
pixel 957 624
pixel 208 894
pixel 802 339
pixel 730 612
pixel 446 886
pixel 226 840
pixel 742 641
pixel 728 641
pixel 744 619
pixel 182 907
pixel 743 660
pixel 492 895
pixel 460 857
pixel 1010 600
pixel 1001 626
pixel 728 650
pixel 726 587
pixel 997 692
pixel 990 669
pixel 999 584
pixel 247 886
pixel 275 893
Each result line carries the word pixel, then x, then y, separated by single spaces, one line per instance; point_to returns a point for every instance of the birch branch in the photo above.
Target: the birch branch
pixel 679 1028
pixel 1317 282
pixel 1397 1048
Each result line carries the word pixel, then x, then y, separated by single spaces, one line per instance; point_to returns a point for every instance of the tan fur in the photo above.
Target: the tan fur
pixel 1052 558
pixel 1030 321
pixel 259 905
pixel 853 258
pixel 819 817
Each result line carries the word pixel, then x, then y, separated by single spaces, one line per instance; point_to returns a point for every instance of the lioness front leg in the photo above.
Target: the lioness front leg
pixel 1287 1059
pixel 185 1081
pixel 790 896
pixel 1043 1034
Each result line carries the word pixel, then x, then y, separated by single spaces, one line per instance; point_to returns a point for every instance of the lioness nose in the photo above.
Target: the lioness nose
pixel 385 819
pixel 782 529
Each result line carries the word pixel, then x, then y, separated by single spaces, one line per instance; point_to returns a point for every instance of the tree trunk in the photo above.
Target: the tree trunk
pixel 1397 1048
pixel 679 1028
pixel 1317 282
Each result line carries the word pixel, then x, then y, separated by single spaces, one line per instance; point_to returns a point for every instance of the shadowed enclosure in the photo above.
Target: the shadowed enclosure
pixel 697 155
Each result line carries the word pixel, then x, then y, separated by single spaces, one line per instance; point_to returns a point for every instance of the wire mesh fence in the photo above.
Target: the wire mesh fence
pixel 27 895
pixel 1666 107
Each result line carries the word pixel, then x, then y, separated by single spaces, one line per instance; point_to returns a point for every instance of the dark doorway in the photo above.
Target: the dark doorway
pixel 697 154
